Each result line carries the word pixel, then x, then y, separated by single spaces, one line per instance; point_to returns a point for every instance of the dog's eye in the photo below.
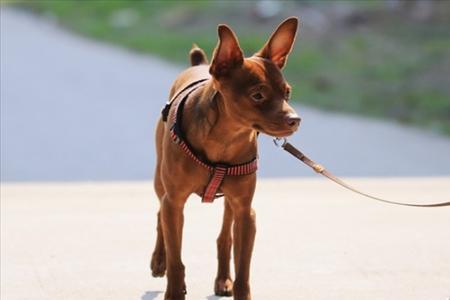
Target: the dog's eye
pixel 258 97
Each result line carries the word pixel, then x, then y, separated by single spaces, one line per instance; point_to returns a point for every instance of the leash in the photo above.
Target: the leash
pixel 283 143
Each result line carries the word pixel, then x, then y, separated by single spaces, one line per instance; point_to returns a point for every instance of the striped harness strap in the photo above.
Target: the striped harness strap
pixel 173 113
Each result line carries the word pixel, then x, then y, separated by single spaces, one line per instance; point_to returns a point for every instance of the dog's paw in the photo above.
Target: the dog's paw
pixel 241 292
pixel 180 297
pixel 223 287
pixel 158 265
pixel 172 295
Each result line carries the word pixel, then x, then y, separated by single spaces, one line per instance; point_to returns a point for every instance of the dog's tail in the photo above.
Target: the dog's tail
pixel 197 56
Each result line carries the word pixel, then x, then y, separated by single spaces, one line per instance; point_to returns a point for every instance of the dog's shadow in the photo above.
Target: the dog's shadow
pixel 150 295
pixel 214 297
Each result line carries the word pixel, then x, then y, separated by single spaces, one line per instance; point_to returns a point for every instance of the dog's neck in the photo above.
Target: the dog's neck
pixel 212 130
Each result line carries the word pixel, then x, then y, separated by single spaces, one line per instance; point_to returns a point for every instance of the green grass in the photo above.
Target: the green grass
pixel 389 68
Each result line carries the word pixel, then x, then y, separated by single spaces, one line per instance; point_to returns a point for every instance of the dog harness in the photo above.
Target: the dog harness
pixel 173 113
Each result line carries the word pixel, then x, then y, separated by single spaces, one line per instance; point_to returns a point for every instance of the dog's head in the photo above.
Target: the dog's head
pixel 254 89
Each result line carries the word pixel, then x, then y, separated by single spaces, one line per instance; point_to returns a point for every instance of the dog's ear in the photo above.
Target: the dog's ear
pixel 227 55
pixel 280 43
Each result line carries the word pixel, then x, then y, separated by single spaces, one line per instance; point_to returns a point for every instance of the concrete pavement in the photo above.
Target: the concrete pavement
pixel 77 109
pixel 315 241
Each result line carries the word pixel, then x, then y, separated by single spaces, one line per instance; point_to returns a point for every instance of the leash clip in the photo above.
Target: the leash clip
pixel 280 142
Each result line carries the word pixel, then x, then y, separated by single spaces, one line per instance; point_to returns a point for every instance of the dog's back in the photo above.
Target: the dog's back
pixel 199 70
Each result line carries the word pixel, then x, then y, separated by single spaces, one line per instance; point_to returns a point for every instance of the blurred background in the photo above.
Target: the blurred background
pixel 83 82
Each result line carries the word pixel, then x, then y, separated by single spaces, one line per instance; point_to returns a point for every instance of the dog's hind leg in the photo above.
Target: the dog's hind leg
pixel 158 262
pixel 223 285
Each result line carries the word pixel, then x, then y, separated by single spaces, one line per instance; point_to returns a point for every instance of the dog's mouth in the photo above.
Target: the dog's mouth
pixel 278 133
pixel 257 127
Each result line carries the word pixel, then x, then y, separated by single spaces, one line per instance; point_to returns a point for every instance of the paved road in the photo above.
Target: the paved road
pixel 76 109
pixel 316 241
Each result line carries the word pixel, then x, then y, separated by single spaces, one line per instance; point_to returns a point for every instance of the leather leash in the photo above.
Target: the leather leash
pixel 283 143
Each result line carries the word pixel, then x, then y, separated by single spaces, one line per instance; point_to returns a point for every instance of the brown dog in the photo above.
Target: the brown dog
pixel 207 143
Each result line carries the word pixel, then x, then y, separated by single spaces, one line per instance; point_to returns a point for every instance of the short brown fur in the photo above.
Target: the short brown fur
pixel 243 96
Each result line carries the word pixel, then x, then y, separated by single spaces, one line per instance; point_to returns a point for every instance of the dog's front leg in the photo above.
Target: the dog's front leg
pixel 244 231
pixel 172 224
pixel 223 285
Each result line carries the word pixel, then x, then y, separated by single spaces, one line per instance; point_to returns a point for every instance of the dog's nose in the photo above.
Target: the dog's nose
pixel 292 120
